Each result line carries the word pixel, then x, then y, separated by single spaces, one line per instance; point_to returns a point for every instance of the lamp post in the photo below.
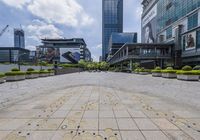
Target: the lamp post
pixel 18 58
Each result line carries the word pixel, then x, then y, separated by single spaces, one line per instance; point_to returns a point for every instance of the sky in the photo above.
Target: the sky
pixel 62 19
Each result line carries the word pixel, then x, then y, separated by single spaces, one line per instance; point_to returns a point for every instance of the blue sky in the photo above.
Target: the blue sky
pixel 62 18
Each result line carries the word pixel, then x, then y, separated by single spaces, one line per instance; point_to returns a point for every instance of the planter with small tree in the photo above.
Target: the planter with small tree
pixel 169 72
pixel 15 75
pixel 157 72
pixel 187 74
pixel 2 78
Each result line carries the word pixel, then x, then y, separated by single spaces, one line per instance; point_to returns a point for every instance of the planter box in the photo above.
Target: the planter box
pixel 156 74
pixel 43 74
pixel 51 74
pixel 15 78
pixel 169 75
pixel 143 73
pixel 32 76
pixel 188 77
pixel 2 80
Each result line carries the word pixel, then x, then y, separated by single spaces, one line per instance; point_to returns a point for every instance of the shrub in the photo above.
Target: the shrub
pixel 157 70
pixel 187 68
pixel 30 69
pixel 2 75
pixel 169 70
pixel 144 70
pixel 43 71
pixel 196 67
pixel 32 72
pixel 15 73
pixel 15 69
pixel 194 72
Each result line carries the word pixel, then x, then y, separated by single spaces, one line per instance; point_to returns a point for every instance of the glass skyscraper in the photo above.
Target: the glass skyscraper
pixel 19 39
pixel 112 13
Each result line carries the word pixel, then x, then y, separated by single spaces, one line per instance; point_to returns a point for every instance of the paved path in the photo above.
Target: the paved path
pixel 100 106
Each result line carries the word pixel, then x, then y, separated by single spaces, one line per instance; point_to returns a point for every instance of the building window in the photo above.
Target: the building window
pixel 198 39
pixel 169 32
pixel 193 21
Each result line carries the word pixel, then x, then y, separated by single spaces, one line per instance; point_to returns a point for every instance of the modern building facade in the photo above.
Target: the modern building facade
pixel 13 55
pixel 117 40
pixel 112 22
pixel 64 50
pixel 176 22
pixel 19 38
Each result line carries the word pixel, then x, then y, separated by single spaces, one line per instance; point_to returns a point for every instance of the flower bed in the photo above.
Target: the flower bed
pixel 15 75
pixel 51 72
pixel 31 74
pixel 188 74
pixel 2 78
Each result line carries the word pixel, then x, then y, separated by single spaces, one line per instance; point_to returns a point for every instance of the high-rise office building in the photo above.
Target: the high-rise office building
pixel 176 22
pixel 112 22
pixel 19 39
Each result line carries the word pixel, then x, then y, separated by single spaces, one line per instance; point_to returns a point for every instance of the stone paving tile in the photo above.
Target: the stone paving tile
pixel 164 124
pixel 89 124
pixel 107 123
pixel 132 135
pixel 136 114
pixel 50 124
pixel 106 114
pixel 3 134
pixel 110 134
pixel 121 114
pixel 59 114
pixel 146 124
pixel 75 114
pixel 126 124
pixel 155 135
pixel 179 135
pixel 70 124
pixel 91 114
pixel 12 124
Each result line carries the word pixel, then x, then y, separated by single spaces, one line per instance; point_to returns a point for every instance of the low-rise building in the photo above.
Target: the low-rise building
pixel 64 50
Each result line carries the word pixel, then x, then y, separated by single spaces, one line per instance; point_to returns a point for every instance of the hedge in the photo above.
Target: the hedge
pixel 187 68
pixel 157 70
pixel 2 75
pixel 193 72
pixel 32 72
pixel 15 73
pixel 43 71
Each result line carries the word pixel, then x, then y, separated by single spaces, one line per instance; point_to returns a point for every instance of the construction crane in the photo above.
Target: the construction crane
pixel 4 29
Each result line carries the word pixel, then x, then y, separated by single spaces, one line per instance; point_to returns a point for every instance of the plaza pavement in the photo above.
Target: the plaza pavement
pixel 100 106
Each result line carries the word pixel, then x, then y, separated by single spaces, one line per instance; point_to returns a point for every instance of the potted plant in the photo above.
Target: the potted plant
pixel 137 71
pixel 31 73
pixel 2 78
pixel 169 72
pixel 157 72
pixel 15 75
pixel 144 71
pixel 43 73
pixel 188 74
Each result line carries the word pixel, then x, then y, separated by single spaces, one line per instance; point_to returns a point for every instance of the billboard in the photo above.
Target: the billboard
pixel 189 41
pixel 149 26
pixel 69 55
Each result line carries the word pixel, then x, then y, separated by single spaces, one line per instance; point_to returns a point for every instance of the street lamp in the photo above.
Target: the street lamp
pixel 18 58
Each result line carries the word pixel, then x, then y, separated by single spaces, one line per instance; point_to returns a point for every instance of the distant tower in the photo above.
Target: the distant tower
pixel 112 21
pixel 19 39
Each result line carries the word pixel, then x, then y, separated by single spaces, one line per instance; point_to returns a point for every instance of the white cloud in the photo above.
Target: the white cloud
pixel 66 12
pixel 16 3
pixel 99 46
pixel 39 29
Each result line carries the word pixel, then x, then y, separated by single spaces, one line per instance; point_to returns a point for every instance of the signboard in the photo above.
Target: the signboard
pixel 69 55
pixel 189 41
pixel 149 26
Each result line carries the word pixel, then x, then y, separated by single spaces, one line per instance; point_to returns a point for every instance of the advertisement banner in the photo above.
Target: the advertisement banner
pixel 69 55
pixel 149 26
pixel 190 41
